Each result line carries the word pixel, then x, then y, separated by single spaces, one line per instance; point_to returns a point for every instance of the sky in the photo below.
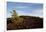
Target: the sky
pixel 28 9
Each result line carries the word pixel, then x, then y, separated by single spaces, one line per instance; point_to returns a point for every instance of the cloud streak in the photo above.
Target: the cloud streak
pixel 30 9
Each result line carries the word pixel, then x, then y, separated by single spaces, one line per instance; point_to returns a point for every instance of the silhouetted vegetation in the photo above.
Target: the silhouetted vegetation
pixel 24 22
pixel 28 23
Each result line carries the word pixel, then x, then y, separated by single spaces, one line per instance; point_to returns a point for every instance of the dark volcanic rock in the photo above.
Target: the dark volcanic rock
pixel 29 22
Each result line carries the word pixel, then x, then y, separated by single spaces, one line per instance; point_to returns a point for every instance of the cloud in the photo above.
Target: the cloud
pixel 30 9
pixel 37 12
pixel 21 6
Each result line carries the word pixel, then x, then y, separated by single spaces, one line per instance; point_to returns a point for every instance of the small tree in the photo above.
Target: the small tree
pixel 15 18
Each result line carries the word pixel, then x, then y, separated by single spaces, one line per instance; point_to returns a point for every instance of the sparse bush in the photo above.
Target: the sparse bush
pixel 23 22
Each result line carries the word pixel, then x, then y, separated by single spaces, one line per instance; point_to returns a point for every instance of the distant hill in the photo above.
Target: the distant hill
pixel 29 22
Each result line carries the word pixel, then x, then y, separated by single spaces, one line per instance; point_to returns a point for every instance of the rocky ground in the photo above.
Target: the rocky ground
pixel 29 22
